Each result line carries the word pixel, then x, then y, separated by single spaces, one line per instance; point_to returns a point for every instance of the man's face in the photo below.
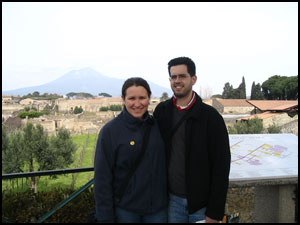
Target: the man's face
pixel 181 81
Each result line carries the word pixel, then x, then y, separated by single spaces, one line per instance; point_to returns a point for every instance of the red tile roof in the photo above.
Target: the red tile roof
pixel 273 104
pixel 260 116
pixel 234 102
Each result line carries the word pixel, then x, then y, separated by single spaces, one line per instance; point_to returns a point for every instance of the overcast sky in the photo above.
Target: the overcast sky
pixel 43 41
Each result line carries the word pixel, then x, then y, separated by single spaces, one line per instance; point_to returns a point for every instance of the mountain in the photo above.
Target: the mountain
pixel 84 80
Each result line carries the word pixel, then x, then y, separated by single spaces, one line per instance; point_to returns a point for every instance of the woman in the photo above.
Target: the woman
pixel 119 144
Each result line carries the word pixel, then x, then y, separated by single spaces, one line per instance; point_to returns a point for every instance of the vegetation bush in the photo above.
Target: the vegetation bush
pixel 111 107
pixel 78 110
pixel 26 207
pixel 115 107
pixel 32 114
pixel 253 126
pixel 273 129
pixel 79 94
pixel 26 108
pixel 36 95
pixel 103 109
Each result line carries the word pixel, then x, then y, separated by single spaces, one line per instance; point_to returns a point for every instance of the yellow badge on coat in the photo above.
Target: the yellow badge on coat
pixel 132 143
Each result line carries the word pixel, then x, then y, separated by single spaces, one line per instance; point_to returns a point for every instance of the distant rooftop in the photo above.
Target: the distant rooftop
pixel 234 102
pixel 259 116
pixel 271 105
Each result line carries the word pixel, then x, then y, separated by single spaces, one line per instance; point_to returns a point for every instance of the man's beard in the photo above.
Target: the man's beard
pixel 181 94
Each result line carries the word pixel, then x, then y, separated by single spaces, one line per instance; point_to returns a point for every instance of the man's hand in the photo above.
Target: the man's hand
pixel 210 220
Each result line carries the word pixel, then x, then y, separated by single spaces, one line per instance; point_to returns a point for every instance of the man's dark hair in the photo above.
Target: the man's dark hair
pixel 135 81
pixel 191 67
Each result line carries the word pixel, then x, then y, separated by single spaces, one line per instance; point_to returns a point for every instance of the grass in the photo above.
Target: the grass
pixel 65 181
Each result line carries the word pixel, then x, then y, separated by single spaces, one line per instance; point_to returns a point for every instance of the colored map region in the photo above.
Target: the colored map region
pixel 263 155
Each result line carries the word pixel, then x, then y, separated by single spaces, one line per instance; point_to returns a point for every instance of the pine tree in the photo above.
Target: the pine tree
pixel 241 92
pixel 227 91
pixel 252 91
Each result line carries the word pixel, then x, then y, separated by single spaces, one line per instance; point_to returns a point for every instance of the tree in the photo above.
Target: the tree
pixel 256 92
pixel 227 91
pixel 242 89
pixel 36 94
pixel 238 93
pixel 62 149
pixel 281 88
pixel 70 94
pixel 164 96
pixel 12 156
pixel 104 94
pixel 35 148
pixel 252 96
pixel 81 94
pixel 5 139
pixel 291 88
pixel 78 110
pixel 45 96
pixel 31 150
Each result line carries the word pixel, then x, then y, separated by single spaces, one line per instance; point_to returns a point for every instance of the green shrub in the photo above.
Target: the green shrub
pixel 253 126
pixel 78 110
pixel 103 109
pixel 27 108
pixel 26 207
pixel 273 129
pixel 115 107
pixel 30 114
pixel 45 112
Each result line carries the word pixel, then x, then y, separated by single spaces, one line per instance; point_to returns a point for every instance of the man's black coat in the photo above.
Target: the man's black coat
pixel 207 157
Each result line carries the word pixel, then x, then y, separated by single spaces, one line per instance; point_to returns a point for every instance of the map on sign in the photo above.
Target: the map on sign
pixel 255 156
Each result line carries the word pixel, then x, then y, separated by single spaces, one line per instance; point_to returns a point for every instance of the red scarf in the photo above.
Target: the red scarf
pixel 188 106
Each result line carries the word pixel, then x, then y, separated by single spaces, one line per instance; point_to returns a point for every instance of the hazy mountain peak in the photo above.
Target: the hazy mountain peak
pixel 84 72
pixel 84 80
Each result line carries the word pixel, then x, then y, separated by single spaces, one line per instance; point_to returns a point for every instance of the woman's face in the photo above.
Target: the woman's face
pixel 136 101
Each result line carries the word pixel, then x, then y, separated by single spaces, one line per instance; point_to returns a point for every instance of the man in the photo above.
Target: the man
pixel 197 150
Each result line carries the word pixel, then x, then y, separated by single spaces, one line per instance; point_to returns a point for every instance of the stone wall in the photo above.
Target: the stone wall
pixel 263 200
pixel 237 110
pixel 240 200
pixel 217 105
pixel 76 124
pixel 10 108
pixel 291 127
pixel 88 105
pixel 279 120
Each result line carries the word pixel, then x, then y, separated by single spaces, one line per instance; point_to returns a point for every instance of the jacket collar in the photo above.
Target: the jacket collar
pixel 193 111
pixel 188 106
pixel 126 117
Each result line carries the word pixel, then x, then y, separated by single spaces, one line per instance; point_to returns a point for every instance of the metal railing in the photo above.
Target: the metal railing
pixel 48 173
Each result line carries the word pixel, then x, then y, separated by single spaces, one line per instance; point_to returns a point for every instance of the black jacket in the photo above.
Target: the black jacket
pixel 207 155
pixel 119 144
